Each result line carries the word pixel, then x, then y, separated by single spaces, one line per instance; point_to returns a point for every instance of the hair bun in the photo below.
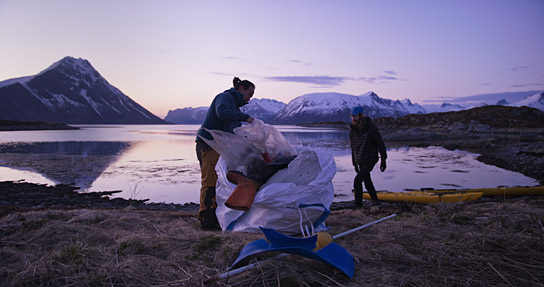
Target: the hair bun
pixel 236 81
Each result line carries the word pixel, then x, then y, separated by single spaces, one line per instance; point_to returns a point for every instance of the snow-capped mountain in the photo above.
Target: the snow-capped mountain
pixel 534 101
pixel 322 107
pixel 70 91
pixel 261 109
pixel 445 107
pixel 332 107
pixel 188 116
pixel 413 108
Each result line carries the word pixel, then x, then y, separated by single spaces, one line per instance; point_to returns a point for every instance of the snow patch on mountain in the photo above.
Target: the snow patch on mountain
pixel 534 101
pixel 413 108
pixel 445 107
pixel 188 115
pixel 322 107
pixel 273 106
pixel 262 108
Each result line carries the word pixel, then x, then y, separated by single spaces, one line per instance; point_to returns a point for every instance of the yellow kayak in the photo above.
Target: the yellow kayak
pixel 498 191
pixel 425 197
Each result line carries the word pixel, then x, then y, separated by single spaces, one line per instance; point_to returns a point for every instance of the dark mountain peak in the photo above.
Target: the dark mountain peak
pixel 445 105
pixel 72 64
pixel 503 102
pixel 70 69
pixel 70 91
pixel 72 61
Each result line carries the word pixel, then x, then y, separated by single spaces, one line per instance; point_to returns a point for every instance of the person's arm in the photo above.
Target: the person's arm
pixel 354 150
pixel 227 111
pixel 381 148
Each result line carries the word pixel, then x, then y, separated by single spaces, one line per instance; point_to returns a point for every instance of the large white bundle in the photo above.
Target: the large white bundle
pixel 303 190
pixel 277 202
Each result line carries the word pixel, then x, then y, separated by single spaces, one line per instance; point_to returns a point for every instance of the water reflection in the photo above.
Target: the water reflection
pixel 161 171
pixel 332 141
pixel 79 163
pixel 159 162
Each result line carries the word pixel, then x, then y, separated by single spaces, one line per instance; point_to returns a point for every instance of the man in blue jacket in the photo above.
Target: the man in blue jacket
pixel 224 114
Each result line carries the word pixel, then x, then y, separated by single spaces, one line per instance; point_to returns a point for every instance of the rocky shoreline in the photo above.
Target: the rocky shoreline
pixel 25 196
pixel 21 196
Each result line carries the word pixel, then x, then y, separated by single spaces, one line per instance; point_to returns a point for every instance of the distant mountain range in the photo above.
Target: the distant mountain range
pixel 309 108
pixel 332 107
pixel 70 91
pixel 262 109
pixel 534 99
pixel 187 116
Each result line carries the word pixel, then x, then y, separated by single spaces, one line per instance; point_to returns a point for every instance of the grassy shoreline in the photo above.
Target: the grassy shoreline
pixel 488 242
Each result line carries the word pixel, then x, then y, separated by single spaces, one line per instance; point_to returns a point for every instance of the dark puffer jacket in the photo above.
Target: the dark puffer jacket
pixel 366 142
pixel 224 114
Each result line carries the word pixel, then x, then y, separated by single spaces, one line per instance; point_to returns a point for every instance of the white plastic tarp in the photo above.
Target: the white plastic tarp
pixel 299 196
pixel 280 205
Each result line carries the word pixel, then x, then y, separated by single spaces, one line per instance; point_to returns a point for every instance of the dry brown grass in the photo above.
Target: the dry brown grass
pixel 489 242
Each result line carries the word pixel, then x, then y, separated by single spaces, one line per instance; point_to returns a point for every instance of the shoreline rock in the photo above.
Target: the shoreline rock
pixel 23 195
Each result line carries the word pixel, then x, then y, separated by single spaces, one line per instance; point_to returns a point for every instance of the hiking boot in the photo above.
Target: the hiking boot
pixel 208 220
pixel 357 205
pixel 243 195
pixel 206 226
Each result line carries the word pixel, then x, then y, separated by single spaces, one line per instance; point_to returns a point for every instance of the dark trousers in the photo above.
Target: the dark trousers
pixel 364 176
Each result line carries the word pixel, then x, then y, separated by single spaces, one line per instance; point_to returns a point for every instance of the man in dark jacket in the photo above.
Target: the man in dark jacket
pixel 224 114
pixel 366 143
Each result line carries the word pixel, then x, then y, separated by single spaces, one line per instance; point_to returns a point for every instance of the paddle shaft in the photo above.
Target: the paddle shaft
pixel 363 226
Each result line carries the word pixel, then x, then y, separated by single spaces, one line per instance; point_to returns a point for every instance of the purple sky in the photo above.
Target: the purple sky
pixel 172 54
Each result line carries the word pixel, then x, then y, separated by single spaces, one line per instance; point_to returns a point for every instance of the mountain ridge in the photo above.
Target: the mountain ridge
pixel 335 107
pixel 70 91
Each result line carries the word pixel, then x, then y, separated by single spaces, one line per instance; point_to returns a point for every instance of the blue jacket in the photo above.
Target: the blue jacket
pixel 224 113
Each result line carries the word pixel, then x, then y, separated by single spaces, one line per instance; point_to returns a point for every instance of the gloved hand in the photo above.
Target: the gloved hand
pixel 356 168
pixel 383 166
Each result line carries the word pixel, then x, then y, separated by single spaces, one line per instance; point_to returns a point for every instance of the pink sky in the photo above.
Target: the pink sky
pixel 173 54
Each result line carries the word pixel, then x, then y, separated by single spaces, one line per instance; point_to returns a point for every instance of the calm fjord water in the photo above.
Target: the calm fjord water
pixel 158 162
